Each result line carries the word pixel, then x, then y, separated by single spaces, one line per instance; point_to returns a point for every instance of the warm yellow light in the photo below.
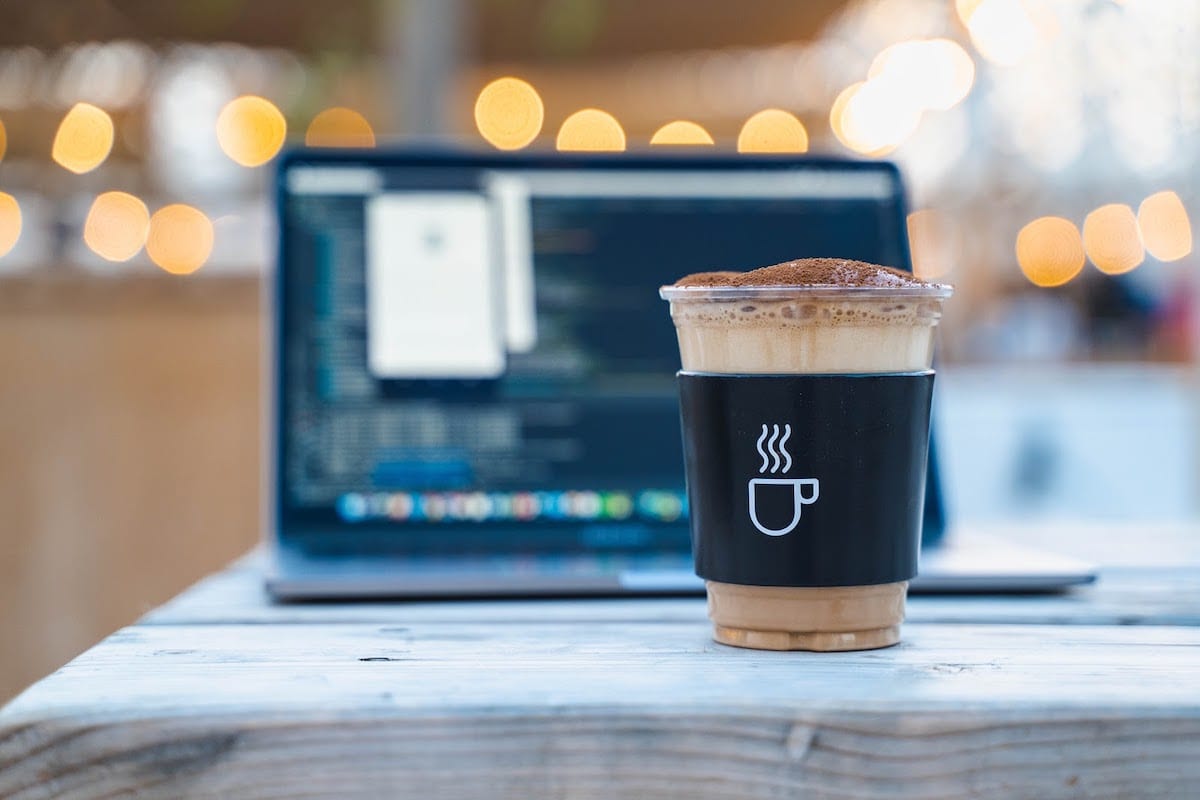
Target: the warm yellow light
pixel 935 250
pixel 116 226
pixel 1006 31
pixel 1050 251
pixel 773 130
pixel 509 113
pixel 84 139
pixel 681 132
pixel 876 118
pixel 1112 240
pixel 251 130
pixel 837 112
pixel 591 129
pixel 1166 231
pixel 3 140
pixel 965 8
pixel 10 223
pixel 339 127
pixel 929 73
pixel 180 240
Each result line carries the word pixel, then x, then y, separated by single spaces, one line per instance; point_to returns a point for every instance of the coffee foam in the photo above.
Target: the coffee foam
pixel 806 313
pixel 884 335
pixel 828 272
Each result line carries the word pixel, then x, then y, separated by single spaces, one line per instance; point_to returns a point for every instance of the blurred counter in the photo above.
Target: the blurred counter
pixel 129 428
pixel 1097 442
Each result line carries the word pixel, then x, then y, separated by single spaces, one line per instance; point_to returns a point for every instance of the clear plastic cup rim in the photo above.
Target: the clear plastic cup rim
pixel 812 291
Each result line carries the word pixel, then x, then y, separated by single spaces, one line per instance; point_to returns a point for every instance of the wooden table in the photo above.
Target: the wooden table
pixel 1095 693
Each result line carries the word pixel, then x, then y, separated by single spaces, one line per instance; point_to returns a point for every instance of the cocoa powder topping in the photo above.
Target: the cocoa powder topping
pixel 807 272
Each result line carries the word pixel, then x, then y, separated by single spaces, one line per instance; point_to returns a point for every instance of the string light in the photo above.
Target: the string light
pixel 681 132
pixel 1005 32
pixel 1165 228
pixel 590 129
pixel 876 119
pixel 84 139
pixel 180 239
pixel 837 113
pixel 1112 240
pixel 10 223
pixel 116 226
pixel 251 130
pixel 965 8
pixel 339 127
pixel 932 74
pixel 1050 251
pixel 773 130
pixel 509 113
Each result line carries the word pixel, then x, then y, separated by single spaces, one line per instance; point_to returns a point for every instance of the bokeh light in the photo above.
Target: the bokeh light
pixel 339 127
pixel 84 139
pixel 1166 230
pixel 251 130
pixel 837 112
pixel 681 132
pixel 933 74
pixel 1050 251
pixel 1005 32
pixel 773 130
pixel 3 140
pixel 1112 240
pixel 116 226
pixel 905 80
pixel 180 240
pixel 509 113
pixel 590 129
pixel 936 247
pixel 10 223
pixel 964 9
pixel 876 119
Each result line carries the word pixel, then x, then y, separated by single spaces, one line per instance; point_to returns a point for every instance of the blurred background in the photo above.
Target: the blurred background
pixel 1049 147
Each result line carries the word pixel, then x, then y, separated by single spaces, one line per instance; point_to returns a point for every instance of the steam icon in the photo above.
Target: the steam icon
pixel 777 460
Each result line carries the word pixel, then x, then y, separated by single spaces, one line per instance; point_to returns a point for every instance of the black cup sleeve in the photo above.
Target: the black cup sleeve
pixel 806 480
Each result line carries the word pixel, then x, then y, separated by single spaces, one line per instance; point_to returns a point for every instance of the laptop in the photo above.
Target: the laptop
pixel 473 387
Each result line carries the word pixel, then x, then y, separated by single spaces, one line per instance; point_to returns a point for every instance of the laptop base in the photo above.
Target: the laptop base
pixel 966 563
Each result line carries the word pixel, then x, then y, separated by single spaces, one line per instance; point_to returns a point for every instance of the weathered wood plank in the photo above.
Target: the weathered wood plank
pixel 221 694
pixel 1123 596
pixel 1150 576
pixel 609 753
pixel 441 665
pixel 609 709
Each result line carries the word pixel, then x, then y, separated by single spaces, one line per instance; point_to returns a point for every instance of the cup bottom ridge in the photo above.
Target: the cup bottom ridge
pixel 832 618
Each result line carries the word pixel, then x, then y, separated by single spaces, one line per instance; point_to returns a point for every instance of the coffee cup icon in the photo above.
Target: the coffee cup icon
pixel 799 499
pixel 775 459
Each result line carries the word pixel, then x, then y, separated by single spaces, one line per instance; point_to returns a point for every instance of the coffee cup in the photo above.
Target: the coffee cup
pixel 804 400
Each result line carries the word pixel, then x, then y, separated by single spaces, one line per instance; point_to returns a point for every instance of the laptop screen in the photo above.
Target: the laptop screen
pixel 471 350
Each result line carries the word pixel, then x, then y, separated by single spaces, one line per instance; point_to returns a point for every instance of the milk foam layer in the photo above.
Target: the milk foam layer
pixel 807 335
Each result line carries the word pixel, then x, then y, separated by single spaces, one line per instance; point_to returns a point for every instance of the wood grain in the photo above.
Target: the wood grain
pixel 586 709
